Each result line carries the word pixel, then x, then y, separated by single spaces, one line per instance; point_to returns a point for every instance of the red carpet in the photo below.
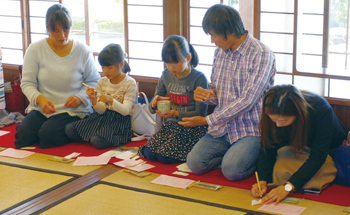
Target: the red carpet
pixel 335 194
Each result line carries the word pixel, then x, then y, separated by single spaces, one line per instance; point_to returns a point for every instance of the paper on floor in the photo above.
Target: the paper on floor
pixel 128 163
pixel 113 152
pixel 91 161
pixel 180 173
pixel 141 167
pixel 14 153
pixel 173 181
pixel 126 155
pixel 73 155
pixel 254 202
pixel 3 132
pixel 183 167
pixel 281 208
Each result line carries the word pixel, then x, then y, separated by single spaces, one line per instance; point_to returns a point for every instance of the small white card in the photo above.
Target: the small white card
pixel 254 202
pixel 3 132
pixel 183 167
pixel 73 155
pixel 180 173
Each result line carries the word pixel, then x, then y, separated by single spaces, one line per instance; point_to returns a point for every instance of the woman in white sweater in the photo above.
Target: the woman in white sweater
pixel 53 71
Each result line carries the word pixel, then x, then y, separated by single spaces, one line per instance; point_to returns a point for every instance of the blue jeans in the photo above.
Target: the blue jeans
pixel 237 161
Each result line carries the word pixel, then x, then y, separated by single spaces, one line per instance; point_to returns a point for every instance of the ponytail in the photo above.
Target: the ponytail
pixel 126 67
pixel 195 59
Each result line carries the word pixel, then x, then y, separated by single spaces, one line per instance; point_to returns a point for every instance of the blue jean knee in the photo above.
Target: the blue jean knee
pixel 241 159
pixel 207 154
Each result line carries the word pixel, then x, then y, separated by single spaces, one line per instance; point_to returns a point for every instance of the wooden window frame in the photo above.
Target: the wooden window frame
pixel 177 13
pixel 295 72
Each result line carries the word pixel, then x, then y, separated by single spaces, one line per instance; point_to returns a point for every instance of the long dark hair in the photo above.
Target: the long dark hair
pixel 176 48
pixel 285 100
pixel 113 54
pixel 223 20
pixel 58 14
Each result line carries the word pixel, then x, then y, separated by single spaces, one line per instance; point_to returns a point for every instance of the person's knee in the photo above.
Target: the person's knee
pixel 194 163
pixel 45 134
pixel 96 142
pixel 233 173
pixel 71 131
pixel 47 137
pixel 24 137
pixel 147 152
pixel 167 160
pixel 237 171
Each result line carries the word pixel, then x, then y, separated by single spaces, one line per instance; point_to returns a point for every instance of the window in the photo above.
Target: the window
pixel 11 40
pixel 200 41
pixel 97 24
pixel 310 39
pixel 145 37
pixel 37 13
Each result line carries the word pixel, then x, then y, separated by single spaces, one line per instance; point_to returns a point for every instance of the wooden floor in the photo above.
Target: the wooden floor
pixel 35 185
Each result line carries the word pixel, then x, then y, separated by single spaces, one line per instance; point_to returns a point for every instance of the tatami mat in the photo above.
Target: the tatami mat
pixel 18 184
pixel 41 161
pixel 104 199
pixel 229 196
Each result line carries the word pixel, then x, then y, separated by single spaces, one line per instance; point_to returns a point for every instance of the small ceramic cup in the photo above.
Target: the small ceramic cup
pixel 212 96
pixel 163 105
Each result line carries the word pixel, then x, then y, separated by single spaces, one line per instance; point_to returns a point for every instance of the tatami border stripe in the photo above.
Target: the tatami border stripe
pixel 64 199
pixel 39 169
pixel 78 184
pixel 249 212
pixel 38 195
pixel 180 198
pixel 68 189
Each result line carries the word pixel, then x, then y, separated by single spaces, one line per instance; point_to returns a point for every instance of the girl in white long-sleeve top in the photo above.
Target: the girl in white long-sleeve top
pixel 116 95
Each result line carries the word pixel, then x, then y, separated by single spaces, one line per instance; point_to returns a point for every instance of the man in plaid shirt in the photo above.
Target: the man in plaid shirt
pixel 243 70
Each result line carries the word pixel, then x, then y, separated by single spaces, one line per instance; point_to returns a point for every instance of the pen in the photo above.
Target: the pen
pixel 257 180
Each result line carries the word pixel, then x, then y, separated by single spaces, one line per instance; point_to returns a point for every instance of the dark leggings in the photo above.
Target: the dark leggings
pixel 96 141
pixel 48 132
pixel 165 160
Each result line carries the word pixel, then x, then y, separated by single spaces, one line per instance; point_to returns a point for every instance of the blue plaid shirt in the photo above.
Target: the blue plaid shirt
pixel 240 79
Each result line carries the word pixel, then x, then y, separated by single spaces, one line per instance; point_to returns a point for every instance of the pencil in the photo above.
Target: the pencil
pixel 87 86
pixel 257 180
pixel 193 184
pixel 133 156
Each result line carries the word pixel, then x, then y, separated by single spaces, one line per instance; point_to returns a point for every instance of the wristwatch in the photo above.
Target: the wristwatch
pixel 288 187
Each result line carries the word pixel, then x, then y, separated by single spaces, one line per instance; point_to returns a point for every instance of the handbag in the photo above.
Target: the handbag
pixel 342 162
pixel 15 99
pixel 143 122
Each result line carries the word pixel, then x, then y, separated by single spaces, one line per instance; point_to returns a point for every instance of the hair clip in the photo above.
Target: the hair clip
pixel 125 54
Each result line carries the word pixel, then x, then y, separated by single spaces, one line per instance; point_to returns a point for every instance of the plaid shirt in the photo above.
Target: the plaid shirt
pixel 240 79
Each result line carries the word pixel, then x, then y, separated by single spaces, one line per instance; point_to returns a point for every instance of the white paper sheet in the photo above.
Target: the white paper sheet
pixel 173 181
pixel 281 208
pixel 91 161
pixel 14 153
pixel 126 155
